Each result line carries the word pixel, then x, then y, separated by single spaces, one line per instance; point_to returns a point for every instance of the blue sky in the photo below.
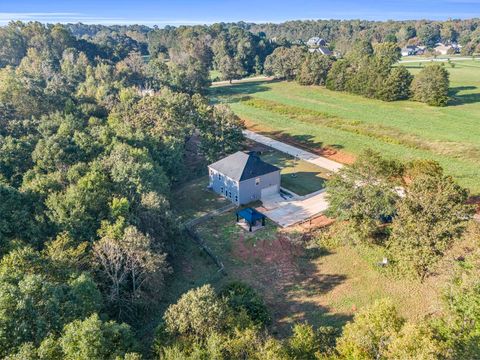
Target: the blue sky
pixel 176 12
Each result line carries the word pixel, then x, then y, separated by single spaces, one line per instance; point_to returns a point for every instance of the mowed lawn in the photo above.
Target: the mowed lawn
pixel 298 176
pixel 405 130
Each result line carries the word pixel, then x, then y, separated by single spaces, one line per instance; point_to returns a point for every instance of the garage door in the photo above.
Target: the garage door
pixel 269 191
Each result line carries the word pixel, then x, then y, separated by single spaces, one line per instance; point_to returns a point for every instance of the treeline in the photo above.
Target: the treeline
pixel 343 33
pixel 87 161
pixel 365 70
pixel 230 49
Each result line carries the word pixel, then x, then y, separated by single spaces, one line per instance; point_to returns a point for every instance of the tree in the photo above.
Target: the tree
pixel 416 341
pixel 429 218
pixel 397 85
pixel 132 270
pixel 240 297
pixel 94 339
pixel 431 85
pixel 364 193
pixel 461 325
pixel 314 69
pixel 284 63
pixel 197 313
pixel 220 132
pixel 371 331
pixel 429 34
pixel 339 75
pixel 36 301
pixel 387 53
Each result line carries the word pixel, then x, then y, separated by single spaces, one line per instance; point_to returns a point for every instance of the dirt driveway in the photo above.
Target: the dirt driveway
pixel 290 212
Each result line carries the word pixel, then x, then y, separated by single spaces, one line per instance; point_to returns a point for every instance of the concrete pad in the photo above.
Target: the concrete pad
pixel 293 212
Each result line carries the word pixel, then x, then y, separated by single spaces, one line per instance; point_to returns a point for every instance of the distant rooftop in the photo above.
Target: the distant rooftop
pixel 243 166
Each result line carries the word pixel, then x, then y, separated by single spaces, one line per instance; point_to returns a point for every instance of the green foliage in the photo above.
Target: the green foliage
pixel 197 313
pixel 240 297
pixel 220 133
pixel 314 69
pixel 461 327
pixel 430 217
pixel 371 331
pixel 39 295
pixel 284 63
pixel 431 85
pixel 364 193
pixel 416 341
pixel 396 85
pixel 94 339
pixel 306 343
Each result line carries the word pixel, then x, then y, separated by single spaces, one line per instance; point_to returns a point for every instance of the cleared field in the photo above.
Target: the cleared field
pixel 319 118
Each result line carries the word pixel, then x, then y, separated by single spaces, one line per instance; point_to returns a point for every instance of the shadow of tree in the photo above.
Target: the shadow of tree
pixel 462 99
pixel 236 92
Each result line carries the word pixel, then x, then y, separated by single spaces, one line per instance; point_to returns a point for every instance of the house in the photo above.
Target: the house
pixel 409 50
pixel 243 177
pixel 322 50
pixel 316 41
pixel 443 49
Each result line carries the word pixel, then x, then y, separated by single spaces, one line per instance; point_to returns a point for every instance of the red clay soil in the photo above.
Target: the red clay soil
pixel 316 223
pixel 328 152
pixel 475 200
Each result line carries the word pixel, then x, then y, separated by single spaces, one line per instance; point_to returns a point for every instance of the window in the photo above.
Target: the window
pixel 219 177
pixel 236 198
pixel 230 194
pixel 257 181
pixel 221 189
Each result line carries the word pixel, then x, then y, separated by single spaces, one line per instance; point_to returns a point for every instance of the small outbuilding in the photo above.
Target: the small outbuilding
pixel 251 217
pixel 244 177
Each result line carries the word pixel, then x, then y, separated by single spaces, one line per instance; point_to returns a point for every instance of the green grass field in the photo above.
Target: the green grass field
pixel 307 178
pixel 405 130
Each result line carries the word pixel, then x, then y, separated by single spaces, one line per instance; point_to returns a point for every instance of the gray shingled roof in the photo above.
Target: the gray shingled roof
pixel 243 166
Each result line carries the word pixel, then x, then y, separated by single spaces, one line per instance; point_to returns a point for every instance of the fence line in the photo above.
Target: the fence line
pixel 189 228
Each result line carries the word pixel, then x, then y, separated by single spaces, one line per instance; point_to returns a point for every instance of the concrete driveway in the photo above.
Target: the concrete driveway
pixel 290 212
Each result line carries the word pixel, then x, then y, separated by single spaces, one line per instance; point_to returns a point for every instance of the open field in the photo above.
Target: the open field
pixel 325 288
pixel 319 118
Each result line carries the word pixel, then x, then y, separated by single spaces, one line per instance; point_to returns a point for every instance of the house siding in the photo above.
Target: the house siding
pixel 224 186
pixel 245 191
pixel 249 191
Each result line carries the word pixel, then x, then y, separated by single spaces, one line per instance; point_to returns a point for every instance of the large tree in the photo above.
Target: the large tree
pixel 431 85
pixel 429 218
pixel 364 193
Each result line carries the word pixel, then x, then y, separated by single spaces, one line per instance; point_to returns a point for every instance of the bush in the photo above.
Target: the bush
pixel 241 297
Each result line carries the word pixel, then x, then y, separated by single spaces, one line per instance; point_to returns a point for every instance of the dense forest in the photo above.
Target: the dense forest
pixel 95 124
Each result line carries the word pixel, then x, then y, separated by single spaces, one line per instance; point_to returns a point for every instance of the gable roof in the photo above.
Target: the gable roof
pixel 243 166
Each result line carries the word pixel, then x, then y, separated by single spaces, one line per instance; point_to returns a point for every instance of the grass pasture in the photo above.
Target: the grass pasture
pixel 319 118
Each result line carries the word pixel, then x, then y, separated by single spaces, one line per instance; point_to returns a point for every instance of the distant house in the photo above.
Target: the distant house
pixel 409 50
pixel 316 41
pixel 243 178
pixel 322 50
pixel 443 49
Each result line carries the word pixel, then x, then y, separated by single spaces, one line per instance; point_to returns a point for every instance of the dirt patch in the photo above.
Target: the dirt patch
pixel 327 151
pixel 475 200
